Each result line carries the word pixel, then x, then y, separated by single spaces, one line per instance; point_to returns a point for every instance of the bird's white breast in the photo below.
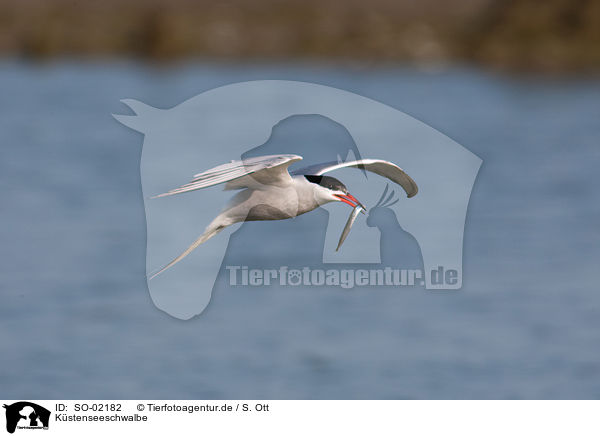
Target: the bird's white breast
pixel 272 202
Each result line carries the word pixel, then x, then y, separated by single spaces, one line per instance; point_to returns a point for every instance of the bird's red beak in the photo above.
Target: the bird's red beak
pixel 351 200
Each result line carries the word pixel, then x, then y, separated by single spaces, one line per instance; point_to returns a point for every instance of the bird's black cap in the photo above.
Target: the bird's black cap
pixel 328 182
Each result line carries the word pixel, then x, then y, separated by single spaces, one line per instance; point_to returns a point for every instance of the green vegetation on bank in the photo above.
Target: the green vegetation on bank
pixel 552 35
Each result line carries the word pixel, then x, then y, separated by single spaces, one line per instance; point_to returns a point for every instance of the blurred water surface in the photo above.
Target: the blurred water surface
pixel 77 320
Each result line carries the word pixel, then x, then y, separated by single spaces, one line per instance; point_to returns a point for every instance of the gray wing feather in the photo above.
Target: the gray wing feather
pixel 252 172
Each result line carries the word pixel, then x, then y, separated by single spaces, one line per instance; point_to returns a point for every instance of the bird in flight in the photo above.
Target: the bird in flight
pixel 268 191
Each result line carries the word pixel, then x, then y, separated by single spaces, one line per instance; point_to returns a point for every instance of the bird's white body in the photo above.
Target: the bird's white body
pixel 269 192
pixel 273 202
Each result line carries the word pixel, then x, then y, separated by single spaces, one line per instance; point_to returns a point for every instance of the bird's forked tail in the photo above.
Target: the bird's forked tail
pixel 210 231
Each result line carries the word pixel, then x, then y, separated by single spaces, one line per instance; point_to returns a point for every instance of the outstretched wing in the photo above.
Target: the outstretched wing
pixel 254 172
pixel 377 166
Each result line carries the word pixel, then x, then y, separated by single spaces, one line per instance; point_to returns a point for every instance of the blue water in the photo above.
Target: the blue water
pixel 77 320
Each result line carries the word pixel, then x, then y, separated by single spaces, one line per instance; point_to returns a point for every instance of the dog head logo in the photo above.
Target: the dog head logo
pixel 248 120
pixel 25 414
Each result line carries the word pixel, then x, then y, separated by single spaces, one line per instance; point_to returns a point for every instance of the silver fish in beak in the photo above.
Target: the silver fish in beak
pixel 358 209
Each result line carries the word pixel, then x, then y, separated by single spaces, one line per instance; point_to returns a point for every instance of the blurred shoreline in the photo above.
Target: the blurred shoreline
pixel 556 36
